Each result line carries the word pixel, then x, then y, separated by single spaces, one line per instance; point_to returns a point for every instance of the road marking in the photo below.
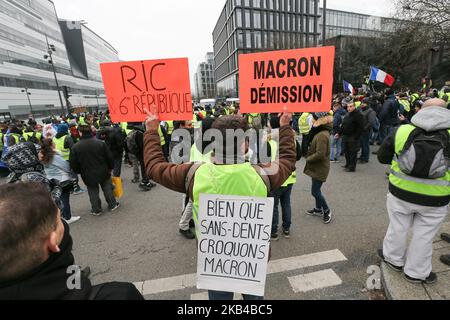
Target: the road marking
pixel 313 281
pixel 294 263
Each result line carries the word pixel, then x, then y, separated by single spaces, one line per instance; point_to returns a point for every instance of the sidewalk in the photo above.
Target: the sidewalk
pixel 397 288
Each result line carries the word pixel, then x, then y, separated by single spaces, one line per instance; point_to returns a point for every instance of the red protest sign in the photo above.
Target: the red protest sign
pixel 289 80
pixel 132 87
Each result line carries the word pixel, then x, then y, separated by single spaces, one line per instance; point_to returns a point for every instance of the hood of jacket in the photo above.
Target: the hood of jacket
pixel 324 122
pixel 432 119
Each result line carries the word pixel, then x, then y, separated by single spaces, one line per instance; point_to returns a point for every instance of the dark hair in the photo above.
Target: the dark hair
pixel 274 121
pixel 85 130
pixel 27 216
pixel 47 151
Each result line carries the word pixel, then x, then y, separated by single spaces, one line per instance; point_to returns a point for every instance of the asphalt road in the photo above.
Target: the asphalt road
pixel 140 241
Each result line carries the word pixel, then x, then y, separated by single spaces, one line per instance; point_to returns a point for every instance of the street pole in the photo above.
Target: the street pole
pixel 50 55
pixel 29 101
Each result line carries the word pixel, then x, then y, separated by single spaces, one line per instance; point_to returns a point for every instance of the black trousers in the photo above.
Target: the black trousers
pixel 351 146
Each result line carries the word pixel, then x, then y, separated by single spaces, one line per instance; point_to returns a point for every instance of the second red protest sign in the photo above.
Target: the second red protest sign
pixel 132 87
pixel 290 80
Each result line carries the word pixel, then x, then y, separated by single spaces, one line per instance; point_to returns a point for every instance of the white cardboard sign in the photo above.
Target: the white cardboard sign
pixel 233 243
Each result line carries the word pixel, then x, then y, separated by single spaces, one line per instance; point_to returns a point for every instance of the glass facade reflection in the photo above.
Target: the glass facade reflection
pixel 246 26
pixel 24 27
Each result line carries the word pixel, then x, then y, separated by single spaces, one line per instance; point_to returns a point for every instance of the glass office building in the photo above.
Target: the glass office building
pixel 25 29
pixel 247 26
pixel 343 23
pixel 205 84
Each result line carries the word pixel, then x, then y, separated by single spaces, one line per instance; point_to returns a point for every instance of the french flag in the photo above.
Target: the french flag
pixel 348 87
pixel 381 76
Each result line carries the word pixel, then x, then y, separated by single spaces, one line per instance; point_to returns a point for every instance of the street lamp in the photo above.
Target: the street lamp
pixel 49 57
pixel 29 101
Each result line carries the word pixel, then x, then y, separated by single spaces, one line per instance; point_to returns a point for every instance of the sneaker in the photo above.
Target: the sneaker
pixel 432 278
pixel 143 187
pixel 287 234
pixel 390 265
pixel 96 214
pixel 349 170
pixel 445 259
pixel 315 212
pixel 191 223
pixel 117 206
pixel 445 237
pixel 73 220
pixel 363 161
pixel 188 234
pixel 274 237
pixel 327 216
pixel 135 181
pixel 151 185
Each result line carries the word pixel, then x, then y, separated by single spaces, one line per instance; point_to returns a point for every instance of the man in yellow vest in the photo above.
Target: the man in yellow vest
pixel 305 124
pixel 419 186
pixel 226 175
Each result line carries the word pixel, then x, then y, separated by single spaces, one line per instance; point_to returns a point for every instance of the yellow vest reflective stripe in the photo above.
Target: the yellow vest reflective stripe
pixel 236 180
pixel 429 187
pixel 406 104
pixel 304 124
pixel 274 152
pixel 59 143
pixel 161 136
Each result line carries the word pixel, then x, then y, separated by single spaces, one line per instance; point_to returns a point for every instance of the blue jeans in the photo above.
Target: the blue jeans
pixel 365 146
pixel 283 194
pixel 228 296
pixel 316 192
pixel 336 148
pixel 66 211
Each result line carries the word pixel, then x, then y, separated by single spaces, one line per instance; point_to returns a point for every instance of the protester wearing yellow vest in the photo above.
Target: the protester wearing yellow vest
pixel 63 141
pixel 283 194
pixel 419 187
pixel 230 178
pixel 305 123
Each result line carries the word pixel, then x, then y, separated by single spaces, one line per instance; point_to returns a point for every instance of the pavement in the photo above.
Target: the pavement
pixel 397 288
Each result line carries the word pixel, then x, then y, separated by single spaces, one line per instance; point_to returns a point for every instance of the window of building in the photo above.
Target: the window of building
pixel 239 18
pixel 270 4
pixel 271 14
pixel 257 3
pixel 257 19
pixel 248 23
pixel 281 5
pixel 258 43
pixel 248 40
pixel 240 42
pixel 248 3
pixel 281 22
pixel 238 2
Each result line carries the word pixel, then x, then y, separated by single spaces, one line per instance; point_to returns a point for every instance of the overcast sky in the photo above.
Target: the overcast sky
pixel 153 29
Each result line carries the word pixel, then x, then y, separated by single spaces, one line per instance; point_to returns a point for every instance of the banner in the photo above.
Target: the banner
pixel 290 80
pixel 233 243
pixel 131 87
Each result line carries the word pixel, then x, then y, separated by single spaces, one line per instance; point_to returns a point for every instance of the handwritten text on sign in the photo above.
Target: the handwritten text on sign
pixel 301 80
pixel 132 87
pixel 233 247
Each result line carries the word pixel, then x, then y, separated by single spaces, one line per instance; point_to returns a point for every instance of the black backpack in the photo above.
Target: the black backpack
pixel 426 155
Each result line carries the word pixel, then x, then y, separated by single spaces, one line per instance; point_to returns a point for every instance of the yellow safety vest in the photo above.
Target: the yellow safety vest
pixel 304 124
pixel 59 143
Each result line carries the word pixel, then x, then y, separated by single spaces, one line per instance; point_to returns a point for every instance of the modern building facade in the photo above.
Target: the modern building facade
pixel 343 23
pixel 247 26
pixel 205 84
pixel 26 30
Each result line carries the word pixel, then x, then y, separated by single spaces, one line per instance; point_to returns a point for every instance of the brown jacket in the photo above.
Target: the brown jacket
pixel 318 157
pixel 173 176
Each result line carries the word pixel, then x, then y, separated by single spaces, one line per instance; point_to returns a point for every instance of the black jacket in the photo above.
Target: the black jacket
pixel 49 281
pixel 114 139
pixel 352 125
pixel 91 158
pixel 389 112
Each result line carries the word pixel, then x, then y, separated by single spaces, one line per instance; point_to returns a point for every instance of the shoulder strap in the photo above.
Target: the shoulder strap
pixel 264 177
pixel 191 174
